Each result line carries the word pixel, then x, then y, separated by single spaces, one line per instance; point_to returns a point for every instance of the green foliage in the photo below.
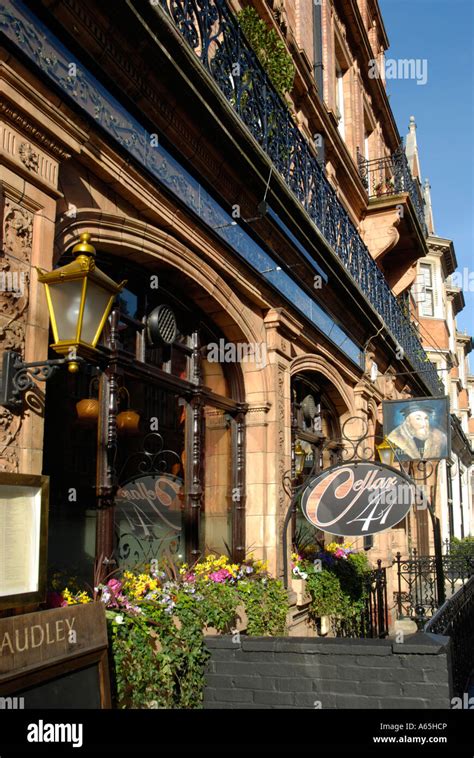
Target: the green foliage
pixel 338 589
pixel 269 48
pixel 326 594
pixel 158 659
pixel 462 548
pixel 157 626
pixel 266 606
pixel 219 605
pixel 351 574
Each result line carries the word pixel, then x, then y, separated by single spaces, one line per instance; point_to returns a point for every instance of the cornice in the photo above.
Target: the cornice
pixel 30 128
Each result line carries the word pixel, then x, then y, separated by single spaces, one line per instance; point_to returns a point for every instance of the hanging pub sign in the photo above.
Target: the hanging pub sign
pixel 418 428
pixel 357 499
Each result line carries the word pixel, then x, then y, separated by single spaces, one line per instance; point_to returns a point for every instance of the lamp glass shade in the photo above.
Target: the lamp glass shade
pixel 66 300
pixel 96 304
pixel 300 457
pixel 386 453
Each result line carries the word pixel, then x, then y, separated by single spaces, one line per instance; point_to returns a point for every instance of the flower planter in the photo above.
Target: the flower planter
pixel 299 588
pixel 325 625
pixel 239 625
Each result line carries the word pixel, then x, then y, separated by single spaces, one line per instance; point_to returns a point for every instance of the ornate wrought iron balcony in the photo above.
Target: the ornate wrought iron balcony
pixel 390 176
pixel 213 32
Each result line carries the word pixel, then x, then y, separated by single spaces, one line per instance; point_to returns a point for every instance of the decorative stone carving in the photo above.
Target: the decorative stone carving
pixel 17 231
pixel 16 242
pixel 9 428
pixel 24 123
pixel 28 156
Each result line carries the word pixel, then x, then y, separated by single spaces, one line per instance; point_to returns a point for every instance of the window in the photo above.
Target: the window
pixel 340 101
pixel 178 460
pixel 427 296
pixel 316 432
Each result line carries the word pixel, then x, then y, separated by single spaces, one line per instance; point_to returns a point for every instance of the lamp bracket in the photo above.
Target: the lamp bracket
pixel 17 377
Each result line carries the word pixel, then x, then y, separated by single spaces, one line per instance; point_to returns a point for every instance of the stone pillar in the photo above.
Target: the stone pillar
pixel 281 330
pixel 28 196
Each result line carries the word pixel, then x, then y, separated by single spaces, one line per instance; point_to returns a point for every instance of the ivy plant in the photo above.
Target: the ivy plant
pixel 269 49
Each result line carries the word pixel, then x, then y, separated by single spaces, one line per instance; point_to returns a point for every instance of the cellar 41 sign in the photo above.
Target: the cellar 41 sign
pixel 358 499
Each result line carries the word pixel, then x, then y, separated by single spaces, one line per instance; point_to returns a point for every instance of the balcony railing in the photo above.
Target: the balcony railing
pixel 390 176
pixel 213 32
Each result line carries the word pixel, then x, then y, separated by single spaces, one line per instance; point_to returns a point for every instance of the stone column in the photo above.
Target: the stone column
pixel 27 216
pixel 281 331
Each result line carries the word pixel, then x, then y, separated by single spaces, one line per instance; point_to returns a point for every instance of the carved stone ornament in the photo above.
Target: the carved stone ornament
pixel 16 243
pixel 28 156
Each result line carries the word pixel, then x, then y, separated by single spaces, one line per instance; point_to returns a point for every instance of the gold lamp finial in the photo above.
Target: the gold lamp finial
pixel 83 247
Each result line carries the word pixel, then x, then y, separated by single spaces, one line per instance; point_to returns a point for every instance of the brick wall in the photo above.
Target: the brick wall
pixel 328 673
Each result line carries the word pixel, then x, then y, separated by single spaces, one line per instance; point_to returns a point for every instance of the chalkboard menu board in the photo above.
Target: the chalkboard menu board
pixel 55 659
pixel 79 689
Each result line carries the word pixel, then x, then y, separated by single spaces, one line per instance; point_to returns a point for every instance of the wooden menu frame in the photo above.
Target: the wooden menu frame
pixel 37 648
pixel 34 522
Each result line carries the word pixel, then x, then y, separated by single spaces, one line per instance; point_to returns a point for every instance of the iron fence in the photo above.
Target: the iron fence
pixel 417 593
pixel 212 31
pixel 373 621
pixel 455 619
pixel 391 175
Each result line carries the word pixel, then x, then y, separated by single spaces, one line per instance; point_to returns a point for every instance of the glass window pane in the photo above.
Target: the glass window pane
pixel 216 514
pixel 150 503
pixel 426 271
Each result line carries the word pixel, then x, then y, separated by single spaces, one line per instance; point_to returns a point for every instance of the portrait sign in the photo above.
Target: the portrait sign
pixel 357 499
pixel 418 428
pixel 23 538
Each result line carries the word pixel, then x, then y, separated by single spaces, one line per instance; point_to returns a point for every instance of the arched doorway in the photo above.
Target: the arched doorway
pixel 178 458
pixel 316 430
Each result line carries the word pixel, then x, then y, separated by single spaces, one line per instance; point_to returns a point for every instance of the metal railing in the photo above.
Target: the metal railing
pixel 373 620
pixel 391 175
pixel 417 591
pixel 375 617
pixel 455 619
pixel 213 32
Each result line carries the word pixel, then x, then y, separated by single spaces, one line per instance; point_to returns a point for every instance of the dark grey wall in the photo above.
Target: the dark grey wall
pixel 300 672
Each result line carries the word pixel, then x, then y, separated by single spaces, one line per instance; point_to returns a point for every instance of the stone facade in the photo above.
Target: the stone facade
pixel 74 160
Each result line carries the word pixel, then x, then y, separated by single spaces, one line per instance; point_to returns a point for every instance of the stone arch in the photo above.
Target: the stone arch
pixel 148 245
pixel 336 388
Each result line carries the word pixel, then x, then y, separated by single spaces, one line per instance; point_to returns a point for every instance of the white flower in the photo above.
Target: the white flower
pixel 119 618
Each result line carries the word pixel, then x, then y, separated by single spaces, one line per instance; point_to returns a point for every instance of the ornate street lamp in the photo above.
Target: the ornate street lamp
pixel 80 298
pixel 300 457
pixel 386 452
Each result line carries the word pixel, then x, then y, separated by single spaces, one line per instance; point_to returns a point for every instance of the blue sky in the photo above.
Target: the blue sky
pixel 440 31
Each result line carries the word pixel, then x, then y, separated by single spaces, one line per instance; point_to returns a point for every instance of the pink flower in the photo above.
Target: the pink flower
pixel 115 586
pixel 220 576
